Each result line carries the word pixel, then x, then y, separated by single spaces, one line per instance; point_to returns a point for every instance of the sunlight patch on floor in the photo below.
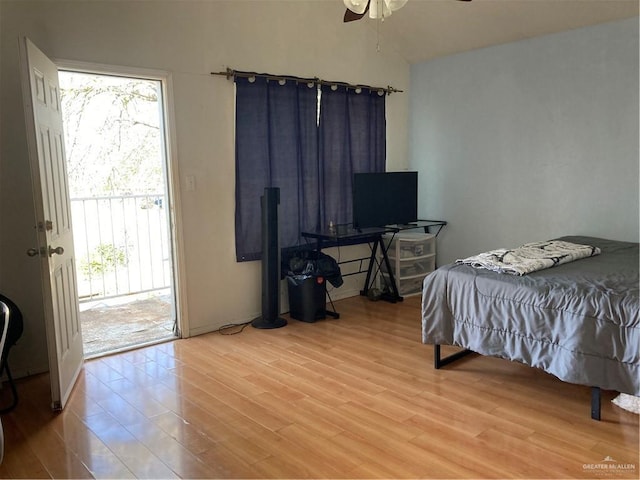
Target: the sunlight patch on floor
pixel 114 324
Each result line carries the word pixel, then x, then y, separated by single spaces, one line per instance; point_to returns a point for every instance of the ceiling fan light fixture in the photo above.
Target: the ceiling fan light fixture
pixel 377 9
pixel 384 8
pixel 395 4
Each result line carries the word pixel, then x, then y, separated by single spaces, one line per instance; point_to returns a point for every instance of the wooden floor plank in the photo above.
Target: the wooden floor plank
pixel 355 397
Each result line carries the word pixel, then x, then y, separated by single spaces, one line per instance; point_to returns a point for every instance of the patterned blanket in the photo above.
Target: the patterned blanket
pixel 530 257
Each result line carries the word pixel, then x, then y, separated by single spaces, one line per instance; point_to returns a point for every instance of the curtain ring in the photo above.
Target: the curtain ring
pixel 252 79
pixel 334 87
pixel 282 81
pixel 380 92
pixel 358 90
pixel 310 84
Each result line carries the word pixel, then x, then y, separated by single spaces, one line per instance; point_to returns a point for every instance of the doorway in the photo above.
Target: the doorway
pixel 117 169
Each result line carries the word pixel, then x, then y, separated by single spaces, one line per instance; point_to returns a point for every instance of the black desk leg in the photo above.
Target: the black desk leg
pixel 331 313
pixel 392 296
pixel 395 295
pixel 372 262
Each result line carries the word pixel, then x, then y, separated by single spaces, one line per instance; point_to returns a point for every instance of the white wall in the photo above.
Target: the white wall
pixel 530 140
pixel 188 39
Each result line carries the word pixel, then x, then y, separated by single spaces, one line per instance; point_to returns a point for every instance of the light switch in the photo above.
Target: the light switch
pixel 191 183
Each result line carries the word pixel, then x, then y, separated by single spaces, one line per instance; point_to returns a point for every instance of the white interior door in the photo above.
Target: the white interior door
pixel 55 238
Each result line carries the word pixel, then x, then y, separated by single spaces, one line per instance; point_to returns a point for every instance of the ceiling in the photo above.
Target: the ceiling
pixel 426 29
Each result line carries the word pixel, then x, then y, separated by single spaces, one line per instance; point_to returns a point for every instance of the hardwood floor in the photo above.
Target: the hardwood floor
pixel 350 398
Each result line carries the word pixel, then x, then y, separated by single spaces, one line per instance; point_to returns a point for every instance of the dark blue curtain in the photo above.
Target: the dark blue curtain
pixel 352 140
pixel 279 143
pixel 276 146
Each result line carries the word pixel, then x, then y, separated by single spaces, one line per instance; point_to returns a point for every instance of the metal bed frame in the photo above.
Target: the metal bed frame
pixel 439 362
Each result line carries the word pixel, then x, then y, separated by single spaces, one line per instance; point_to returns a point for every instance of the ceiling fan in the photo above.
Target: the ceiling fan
pixel 356 9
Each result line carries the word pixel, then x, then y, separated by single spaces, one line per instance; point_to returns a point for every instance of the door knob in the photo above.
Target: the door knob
pixel 34 252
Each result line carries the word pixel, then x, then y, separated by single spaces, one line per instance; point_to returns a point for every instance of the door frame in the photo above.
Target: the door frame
pixel 173 179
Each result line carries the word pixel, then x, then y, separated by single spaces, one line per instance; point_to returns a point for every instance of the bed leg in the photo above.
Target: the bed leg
pixel 595 403
pixel 438 361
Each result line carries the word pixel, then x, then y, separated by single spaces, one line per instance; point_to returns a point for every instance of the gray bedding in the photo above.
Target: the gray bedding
pixel 578 321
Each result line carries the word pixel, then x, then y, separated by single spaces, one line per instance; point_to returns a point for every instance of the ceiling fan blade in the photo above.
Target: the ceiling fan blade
pixel 350 16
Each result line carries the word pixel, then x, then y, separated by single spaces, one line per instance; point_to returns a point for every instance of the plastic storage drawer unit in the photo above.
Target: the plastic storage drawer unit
pixel 412 256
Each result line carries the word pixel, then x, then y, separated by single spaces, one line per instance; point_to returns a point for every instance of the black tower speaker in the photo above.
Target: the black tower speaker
pixel 270 262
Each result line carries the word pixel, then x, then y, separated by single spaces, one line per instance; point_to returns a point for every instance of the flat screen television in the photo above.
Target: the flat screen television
pixel 386 198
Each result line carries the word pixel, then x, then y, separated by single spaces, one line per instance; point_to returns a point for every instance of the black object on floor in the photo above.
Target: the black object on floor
pixel 16 327
pixel 270 262
pixel 307 297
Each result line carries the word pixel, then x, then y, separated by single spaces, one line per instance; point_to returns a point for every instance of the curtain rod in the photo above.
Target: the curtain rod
pixel 230 73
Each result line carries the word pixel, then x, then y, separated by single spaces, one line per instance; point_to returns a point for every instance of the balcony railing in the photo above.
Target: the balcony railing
pixel 121 245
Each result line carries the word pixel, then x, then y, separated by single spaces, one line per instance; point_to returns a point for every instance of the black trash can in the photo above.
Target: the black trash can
pixel 307 297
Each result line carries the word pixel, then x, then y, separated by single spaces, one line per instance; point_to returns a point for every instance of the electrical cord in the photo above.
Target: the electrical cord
pixel 228 326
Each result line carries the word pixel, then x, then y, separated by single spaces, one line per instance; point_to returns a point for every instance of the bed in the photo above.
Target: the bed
pixel 578 321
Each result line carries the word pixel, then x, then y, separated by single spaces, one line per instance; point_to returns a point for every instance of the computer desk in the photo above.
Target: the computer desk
pixel 345 235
